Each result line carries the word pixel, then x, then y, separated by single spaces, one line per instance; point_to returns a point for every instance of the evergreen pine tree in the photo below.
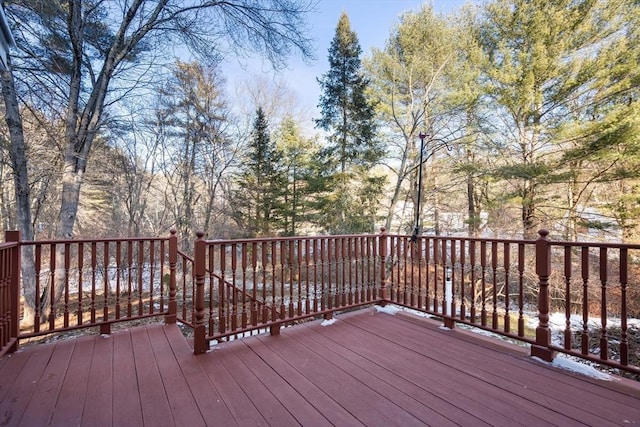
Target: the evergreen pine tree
pixel 347 115
pixel 261 183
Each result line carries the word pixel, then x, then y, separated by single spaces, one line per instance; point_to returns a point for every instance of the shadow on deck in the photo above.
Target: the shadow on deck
pixel 368 368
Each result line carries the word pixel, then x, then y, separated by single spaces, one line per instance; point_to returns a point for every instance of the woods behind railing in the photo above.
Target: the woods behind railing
pixel 235 287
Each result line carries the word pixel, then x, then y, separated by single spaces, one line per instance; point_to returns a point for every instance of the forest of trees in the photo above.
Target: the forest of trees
pixel 530 108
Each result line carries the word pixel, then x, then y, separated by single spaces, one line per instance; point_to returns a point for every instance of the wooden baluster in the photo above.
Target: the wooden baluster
pixel 453 278
pixel 368 268
pixel 94 264
pixel 402 259
pixel 222 288
pixel 436 272
pixel 567 297
pixel 343 270
pixel 315 275
pixel 507 295
pixel 243 260
pixel 472 262
pixel 140 268
pixel 118 273
pixel 283 263
pixel 105 328
pixel 418 260
pixel 37 315
pixel 604 347
pixel 211 267
pixel 494 270
pixel 290 265
pixel 427 264
pixel 463 303
pixel 307 260
pixel 331 262
pixel 274 254
pixel 585 300
pixel 264 259
pixel 163 254
pixel 254 277
pixel 521 257
pixel 129 278
pixel 624 343
pixel 233 292
pixel 67 269
pixel 80 309
pixel 299 259
pixel 483 283
pixel 350 275
pixel 152 257
pixel 445 277
pixel 52 287
pixel 323 250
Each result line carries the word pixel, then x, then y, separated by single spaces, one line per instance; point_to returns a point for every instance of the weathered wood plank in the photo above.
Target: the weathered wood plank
pixel 182 403
pixel 127 409
pixel 205 395
pixel 241 407
pixel 99 400
pixel 68 411
pixel 312 393
pixel 303 411
pixel 273 411
pixel 364 403
pixel 153 398
pixel 43 401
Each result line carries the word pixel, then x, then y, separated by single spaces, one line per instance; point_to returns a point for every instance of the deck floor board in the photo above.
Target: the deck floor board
pixel 368 368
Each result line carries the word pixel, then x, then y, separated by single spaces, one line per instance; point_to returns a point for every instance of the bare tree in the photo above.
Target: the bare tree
pixel 84 56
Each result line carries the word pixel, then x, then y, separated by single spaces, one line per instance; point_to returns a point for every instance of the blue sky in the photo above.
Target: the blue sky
pixel 372 21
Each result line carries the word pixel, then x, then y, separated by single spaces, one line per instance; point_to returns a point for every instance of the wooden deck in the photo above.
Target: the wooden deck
pixel 368 368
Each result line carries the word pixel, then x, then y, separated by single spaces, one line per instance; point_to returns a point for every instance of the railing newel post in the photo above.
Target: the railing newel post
pixel 542 348
pixel 200 343
pixel 382 252
pixel 171 316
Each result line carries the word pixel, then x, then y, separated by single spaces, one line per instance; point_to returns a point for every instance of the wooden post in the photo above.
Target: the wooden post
pixel 171 316
pixel 200 343
pixel 14 289
pixel 382 252
pixel 543 270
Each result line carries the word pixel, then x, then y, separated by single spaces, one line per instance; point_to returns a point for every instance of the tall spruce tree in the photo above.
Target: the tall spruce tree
pixel 347 115
pixel 261 184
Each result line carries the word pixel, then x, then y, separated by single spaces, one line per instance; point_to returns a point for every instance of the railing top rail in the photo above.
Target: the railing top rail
pixel 595 245
pixel 8 245
pixel 466 239
pixel 288 238
pixel 105 240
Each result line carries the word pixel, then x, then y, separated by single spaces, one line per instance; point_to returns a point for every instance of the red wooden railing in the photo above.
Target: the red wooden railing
pixel 235 287
pixel 247 285
pixel 86 283
pixel 9 292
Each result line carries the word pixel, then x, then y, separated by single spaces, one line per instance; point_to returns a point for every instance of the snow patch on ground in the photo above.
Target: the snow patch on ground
pixel 563 362
pixel 328 322
pixel 444 328
pixel 388 309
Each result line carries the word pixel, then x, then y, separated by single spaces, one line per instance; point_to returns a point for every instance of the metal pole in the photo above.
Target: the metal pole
pixel 416 229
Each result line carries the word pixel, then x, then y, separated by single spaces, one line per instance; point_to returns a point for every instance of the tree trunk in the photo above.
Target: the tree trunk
pixel 21 185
